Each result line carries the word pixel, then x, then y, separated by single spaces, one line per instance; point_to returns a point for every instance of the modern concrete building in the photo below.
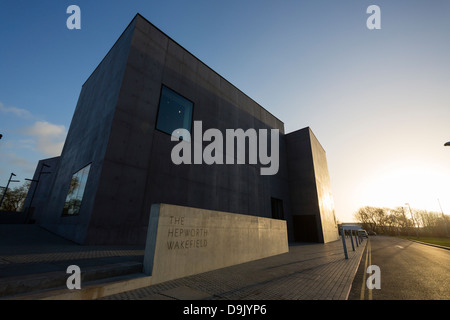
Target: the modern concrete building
pixel 116 161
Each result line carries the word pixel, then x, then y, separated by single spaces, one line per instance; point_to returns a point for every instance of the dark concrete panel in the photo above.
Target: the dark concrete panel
pixel 87 141
pixel 40 188
pixel 325 196
pixel 231 188
pixel 309 187
pixel 114 128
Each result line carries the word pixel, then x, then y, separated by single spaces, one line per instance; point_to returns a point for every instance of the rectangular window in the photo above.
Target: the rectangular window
pixel 277 209
pixel 76 190
pixel 175 112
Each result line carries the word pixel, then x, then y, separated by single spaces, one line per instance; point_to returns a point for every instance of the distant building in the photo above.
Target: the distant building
pixel 116 161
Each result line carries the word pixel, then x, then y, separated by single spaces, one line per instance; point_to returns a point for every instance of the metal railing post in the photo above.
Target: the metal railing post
pixel 343 243
pixel 351 238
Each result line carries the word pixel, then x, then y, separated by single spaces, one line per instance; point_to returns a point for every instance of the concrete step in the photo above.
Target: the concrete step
pixel 90 290
pixel 34 283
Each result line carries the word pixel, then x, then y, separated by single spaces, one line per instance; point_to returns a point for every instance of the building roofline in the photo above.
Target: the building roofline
pixel 112 47
pixel 171 39
pixel 311 132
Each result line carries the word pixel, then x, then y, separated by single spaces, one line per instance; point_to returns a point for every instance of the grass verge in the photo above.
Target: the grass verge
pixel 433 240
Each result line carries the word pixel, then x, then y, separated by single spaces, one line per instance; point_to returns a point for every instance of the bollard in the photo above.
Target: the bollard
pixel 343 243
pixel 351 238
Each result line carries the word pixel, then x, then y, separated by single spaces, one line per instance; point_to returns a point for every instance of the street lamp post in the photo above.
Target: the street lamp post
pixel 443 217
pixel 7 185
pixel 447 144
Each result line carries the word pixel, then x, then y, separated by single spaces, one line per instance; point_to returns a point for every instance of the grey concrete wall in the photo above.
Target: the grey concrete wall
pixel 302 187
pixel 87 141
pixel 137 170
pixel 40 188
pixel 309 188
pixel 324 194
pixel 114 129
pixel 183 241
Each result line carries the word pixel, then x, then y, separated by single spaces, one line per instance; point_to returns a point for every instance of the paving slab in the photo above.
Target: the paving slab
pixel 307 272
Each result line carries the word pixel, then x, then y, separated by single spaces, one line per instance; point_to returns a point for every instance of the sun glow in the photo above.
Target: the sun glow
pixel 419 185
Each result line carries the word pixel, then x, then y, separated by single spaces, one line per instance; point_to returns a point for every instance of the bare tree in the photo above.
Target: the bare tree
pixel 15 198
pixel 400 221
pixel 372 218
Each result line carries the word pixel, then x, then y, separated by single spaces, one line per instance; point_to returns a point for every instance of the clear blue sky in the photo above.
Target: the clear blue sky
pixel 377 100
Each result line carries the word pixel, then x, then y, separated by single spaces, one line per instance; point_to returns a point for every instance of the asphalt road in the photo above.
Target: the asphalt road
pixel 408 271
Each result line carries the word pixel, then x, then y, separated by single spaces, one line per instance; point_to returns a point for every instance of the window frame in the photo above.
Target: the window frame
pixel 77 191
pixel 159 109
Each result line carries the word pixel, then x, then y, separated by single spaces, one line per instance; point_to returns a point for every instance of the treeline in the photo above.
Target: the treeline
pixel 14 198
pixel 402 221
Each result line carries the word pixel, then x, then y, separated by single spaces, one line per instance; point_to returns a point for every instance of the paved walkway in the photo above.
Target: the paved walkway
pixel 27 249
pixel 308 271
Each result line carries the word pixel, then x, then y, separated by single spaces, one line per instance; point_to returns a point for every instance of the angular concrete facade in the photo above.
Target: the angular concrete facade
pixel 312 202
pixel 40 188
pixel 114 131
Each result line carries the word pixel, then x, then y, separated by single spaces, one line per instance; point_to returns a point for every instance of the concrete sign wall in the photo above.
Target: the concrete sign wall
pixel 183 241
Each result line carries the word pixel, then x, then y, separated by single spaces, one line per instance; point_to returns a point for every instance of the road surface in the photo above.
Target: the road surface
pixel 408 271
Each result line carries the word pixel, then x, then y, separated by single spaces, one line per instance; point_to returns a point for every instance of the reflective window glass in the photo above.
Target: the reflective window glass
pixel 76 190
pixel 175 112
